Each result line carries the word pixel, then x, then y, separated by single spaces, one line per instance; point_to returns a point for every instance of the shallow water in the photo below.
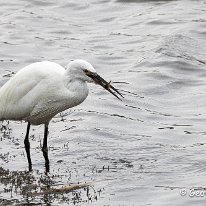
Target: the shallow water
pixel 144 150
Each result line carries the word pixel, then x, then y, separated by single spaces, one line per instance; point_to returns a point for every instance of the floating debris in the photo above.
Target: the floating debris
pixel 64 189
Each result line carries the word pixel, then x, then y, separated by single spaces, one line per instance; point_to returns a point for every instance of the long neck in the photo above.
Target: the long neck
pixel 77 89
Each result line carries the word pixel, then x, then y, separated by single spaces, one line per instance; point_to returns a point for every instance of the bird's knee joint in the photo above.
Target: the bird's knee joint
pixel 44 149
pixel 26 143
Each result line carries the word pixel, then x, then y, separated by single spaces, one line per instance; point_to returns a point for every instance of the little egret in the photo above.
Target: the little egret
pixel 41 90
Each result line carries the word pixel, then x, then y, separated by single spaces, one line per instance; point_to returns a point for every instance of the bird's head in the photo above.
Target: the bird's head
pixel 83 70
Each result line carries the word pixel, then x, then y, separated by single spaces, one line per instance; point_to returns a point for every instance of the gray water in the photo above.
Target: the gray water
pixel 142 151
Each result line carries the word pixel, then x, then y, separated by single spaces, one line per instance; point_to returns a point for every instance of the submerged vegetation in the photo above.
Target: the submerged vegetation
pixel 37 189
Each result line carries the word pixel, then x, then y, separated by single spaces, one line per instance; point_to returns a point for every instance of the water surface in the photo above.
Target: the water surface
pixel 141 151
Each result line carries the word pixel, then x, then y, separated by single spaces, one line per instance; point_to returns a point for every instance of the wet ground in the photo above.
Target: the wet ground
pixel 149 149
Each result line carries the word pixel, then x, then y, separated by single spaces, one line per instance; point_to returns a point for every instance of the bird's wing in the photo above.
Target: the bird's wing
pixel 24 90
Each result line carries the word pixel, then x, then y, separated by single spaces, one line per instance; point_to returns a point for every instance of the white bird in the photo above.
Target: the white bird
pixel 41 90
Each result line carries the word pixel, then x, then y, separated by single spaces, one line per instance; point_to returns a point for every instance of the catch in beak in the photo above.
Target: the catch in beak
pixel 107 85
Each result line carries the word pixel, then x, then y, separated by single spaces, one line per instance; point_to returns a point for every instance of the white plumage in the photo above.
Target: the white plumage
pixel 41 90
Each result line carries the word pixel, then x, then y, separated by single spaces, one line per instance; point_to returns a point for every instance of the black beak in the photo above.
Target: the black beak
pixel 107 85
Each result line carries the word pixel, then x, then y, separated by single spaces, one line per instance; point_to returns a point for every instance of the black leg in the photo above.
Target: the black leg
pixel 45 148
pixel 27 147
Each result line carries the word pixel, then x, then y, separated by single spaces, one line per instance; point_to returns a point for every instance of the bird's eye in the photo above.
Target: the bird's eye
pixel 86 71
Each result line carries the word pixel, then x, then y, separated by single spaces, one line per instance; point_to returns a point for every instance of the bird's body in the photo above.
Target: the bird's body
pixel 41 90
pixel 38 92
